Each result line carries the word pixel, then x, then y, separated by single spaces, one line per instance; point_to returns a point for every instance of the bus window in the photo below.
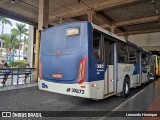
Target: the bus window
pixel 143 56
pixel 144 59
pixel 122 51
pixel 131 54
pixel 97 47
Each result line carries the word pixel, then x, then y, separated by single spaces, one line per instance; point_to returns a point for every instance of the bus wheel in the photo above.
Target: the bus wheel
pixel 126 88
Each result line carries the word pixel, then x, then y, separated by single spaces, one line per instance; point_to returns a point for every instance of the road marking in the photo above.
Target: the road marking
pixel 48 101
pixel 122 104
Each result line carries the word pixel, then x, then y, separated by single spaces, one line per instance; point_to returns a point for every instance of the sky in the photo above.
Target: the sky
pixel 7 27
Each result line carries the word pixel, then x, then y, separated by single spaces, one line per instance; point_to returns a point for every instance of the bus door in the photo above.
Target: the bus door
pixel 108 56
pixel 104 54
pixel 138 67
pixel 144 67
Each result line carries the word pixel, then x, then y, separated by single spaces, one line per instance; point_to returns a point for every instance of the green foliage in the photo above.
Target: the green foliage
pixel 4 21
pixel 20 30
pixel 10 40
pixel 18 64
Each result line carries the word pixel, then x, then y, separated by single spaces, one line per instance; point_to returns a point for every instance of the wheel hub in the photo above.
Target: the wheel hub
pixel 126 90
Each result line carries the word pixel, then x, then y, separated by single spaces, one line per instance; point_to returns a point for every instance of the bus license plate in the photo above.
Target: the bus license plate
pixel 57 75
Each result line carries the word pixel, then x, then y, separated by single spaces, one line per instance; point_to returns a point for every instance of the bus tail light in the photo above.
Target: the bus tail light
pixel 83 86
pixel 40 70
pixel 93 85
pixel 82 70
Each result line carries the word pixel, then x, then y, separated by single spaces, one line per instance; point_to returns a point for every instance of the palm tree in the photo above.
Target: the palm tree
pixel 4 21
pixel 25 43
pixel 10 42
pixel 20 30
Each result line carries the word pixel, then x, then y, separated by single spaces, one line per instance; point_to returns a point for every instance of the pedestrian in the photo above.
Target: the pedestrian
pixel 27 72
pixel 6 73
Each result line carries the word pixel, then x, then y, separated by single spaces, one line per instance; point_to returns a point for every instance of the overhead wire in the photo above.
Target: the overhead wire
pixel 13 4
pixel 37 8
pixel 67 7
pixel 60 18
pixel 21 1
pixel 80 1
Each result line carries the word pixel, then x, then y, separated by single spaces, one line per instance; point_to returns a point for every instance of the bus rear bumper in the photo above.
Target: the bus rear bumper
pixel 92 90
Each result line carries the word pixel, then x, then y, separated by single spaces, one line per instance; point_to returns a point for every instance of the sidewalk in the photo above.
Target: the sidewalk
pixel 21 83
pixel 146 100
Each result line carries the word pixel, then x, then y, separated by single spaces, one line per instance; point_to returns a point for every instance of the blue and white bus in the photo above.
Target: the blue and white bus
pixel 84 60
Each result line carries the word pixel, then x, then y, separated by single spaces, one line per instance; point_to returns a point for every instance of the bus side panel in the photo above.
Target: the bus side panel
pixel 110 77
pixel 92 71
pixel 144 76
pixel 145 72
pixel 158 66
pixel 123 70
pixel 120 77
pixel 90 91
pixel 93 77
pixel 152 68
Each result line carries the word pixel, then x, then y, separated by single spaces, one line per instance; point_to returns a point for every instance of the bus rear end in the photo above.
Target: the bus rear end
pixel 64 59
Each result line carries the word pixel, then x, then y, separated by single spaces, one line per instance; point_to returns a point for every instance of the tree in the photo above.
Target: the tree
pixel 4 21
pixel 20 30
pixel 10 42
pixel 25 43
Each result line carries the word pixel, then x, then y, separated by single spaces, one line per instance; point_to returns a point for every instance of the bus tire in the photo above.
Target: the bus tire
pixel 126 88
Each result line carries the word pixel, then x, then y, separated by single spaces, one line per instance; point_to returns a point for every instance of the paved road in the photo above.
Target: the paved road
pixel 33 99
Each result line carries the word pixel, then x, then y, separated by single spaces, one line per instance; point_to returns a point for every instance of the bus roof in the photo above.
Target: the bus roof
pixel 107 32
pixel 117 37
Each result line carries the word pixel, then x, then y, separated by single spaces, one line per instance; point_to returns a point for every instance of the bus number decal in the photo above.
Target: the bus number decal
pixel 75 90
pixel 44 85
pixel 100 66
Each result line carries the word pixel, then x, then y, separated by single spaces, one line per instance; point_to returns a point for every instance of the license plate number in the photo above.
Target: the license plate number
pixel 57 75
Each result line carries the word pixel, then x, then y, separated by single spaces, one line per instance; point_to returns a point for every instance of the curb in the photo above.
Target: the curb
pixel 14 87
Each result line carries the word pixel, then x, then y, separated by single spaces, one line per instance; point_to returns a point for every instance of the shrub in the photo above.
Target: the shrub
pixel 18 64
